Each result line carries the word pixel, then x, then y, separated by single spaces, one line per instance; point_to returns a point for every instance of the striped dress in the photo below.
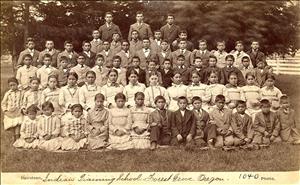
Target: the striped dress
pixel 49 125
pixel 109 91
pixel 11 106
pixel 28 130
pixel 52 95
pixel 31 98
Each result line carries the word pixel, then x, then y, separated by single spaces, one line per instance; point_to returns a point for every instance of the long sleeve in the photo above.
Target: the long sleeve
pixel 19 75
pixel 61 98
pixel 249 128
pixel 276 129
pixel 257 125
pixel 4 102
pixel 129 122
pixel 57 126
pixel 193 126
pixel 174 128
pixel 236 128
pixel 22 131
pixel 82 98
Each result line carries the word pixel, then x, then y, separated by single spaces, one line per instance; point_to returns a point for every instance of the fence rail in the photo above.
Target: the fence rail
pixel 290 67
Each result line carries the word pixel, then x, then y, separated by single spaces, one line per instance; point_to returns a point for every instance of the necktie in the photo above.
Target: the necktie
pixel 82 66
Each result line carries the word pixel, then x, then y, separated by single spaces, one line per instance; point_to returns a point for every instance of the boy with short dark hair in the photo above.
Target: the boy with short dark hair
pixel 96 43
pixel 220 53
pixel 212 66
pixel 89 55
pixel 63 71
pixel 255 54
pixel 164 52
pixel 143 29
pixel 166 73
pixel 199 68
pixel 107 53
pixel 116 64
pixel 202 52
pixel 115 45
pixel 69 53
pixel 25 72
pixel 170 31
pixel 183 124
pixel 230 68
pixel 239 54
pixel 135 64
pixel 246 66
pixel 182 36
pixel 30 49
pixel 156 42
pixel 266 125
pixel 182 51
pixel 108 28
pixel 49 49
pixel 46 70
pixel 152 67
pixel 146 53
pixel 125 54
pixel 81 69
pixel 135 43
pixel 221 117
pixel 183 69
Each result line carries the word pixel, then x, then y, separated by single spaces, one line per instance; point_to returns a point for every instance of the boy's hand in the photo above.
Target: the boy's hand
pixel 272 138
pixel 189 138
pixel 179 137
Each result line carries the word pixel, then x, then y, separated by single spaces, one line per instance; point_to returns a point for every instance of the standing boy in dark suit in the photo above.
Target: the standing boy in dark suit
pixel 29 50
pixel 89 55
pixel 170 31
pixel 255 54
pixel 106 31
pixel 143 29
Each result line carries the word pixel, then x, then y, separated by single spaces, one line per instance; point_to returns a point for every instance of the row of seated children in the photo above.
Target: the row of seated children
pixel 138 127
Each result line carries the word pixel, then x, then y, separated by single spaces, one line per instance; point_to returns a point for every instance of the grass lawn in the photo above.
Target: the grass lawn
pixel 279 157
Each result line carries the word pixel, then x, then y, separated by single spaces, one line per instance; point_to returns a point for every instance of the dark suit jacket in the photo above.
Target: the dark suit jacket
pixel 90 61
pixel 208 70
pixel 200 72
pixel 166 78
pixel 96 47
pixel 161 58
pixel 189 45
pixel 152 56
pixel 54 57
pixel 185 74
pixel 183 125
pixel 204 57
pixel 107 32
pixel 227 70
pixel 169 33
pixel 156 118
pixel 141 75
pixel 187 54
pixel 202 121
pixel 260 125
pixel 35 57
pixel 143 29
pixel 72 60
pixel 256 56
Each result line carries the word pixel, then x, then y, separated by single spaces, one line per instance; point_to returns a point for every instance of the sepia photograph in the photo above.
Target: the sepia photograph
pixel 125 88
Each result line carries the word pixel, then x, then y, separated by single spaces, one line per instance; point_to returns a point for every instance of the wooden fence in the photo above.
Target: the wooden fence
pixel 286 66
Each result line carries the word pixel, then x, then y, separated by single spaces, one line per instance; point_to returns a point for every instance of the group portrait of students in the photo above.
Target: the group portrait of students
pixel 153 90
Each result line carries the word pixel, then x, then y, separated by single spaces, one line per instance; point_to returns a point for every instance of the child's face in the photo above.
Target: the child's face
pixel 90 78
pixel 135 62
pixel 182 44
pixel 77 112
pixel 151 65
pixel 120 103
pixel 164 46
pixel 69 47
pixel 160 104
pixel 250 80
pixel 233 79
pixel 157 35
pixel 246 63
pixel 106 45
pixel 125 46
pixel 180 61
pixel 49 44
pixel 202 46
pixel 116 62
pixel 34 85
pixel 86 47
pixel 285 104
pixel 99 61
pixel 139 100
pixel 212 62
pixel 176 79
pixel 30 45
pixel 213 78
pixel 27 61
pixel 116 37
pixel 239 47
pixel 241 108
pixel 260 65
pixel 64 64
pixel 96 34
pixel 108 18
pixel 153 80
pixel 47 111
pixel 270 82
pixel 47 61
pixel 99 103
pixel 139 17
pixel 146 44
pixel 221 46
pixel 220 104
pixel 197 104
pixel 13 86
pixel 198 62
pixel 113 77
pixel 229 61
pixel 134 35
pixel 254 45
pixel 195 78
pixel 133 78
pixel 31 115
pixel 170 20
pixel 52 82
pixel 72 80
pixel 182 104
pixel 183 36
pixel 80 60
pixel 265 108
pixel 167 65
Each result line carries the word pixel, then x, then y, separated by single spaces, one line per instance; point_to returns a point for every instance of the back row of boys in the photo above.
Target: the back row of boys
pixel 141 42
